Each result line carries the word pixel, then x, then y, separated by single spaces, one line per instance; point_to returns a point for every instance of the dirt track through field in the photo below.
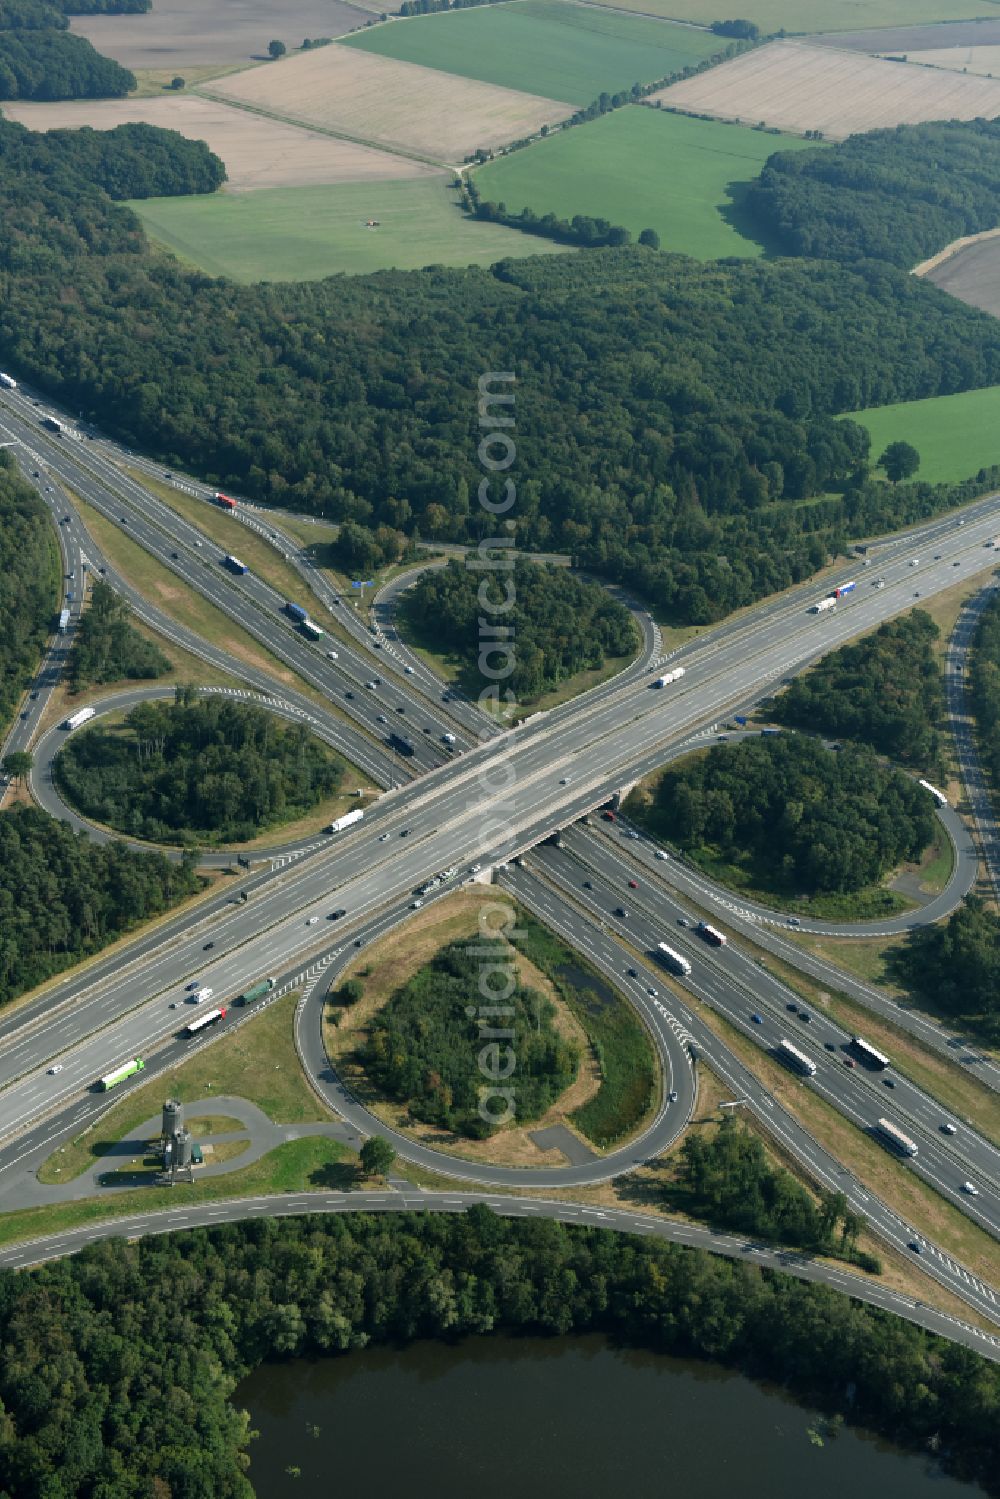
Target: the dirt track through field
pixel 397 104
pixel 796 87
pixel 258 153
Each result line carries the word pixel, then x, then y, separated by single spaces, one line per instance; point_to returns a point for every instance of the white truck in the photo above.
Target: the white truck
pixel 824 604
pixel 347 821
pixel 201 994
pixel 80 716
pixel 670 676
pixel 7 381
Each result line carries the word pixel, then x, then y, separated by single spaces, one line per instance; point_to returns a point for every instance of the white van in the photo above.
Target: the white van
pixel 200 994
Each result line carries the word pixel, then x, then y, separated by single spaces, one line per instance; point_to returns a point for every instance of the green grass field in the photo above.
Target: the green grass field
pixel 643 168
pixel 817 15
pixel 304 233
pixel 547 47
pixel 955 436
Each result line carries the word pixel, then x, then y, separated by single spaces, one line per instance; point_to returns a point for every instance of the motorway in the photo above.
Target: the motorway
pixel 499 797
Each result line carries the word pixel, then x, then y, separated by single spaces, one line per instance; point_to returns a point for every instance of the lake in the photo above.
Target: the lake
pixel 499 1417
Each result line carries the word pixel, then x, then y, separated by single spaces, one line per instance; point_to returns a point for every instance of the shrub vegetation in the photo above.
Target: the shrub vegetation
pixel 561 624
pixel 791 817
pixel 107 648
pixel 424 1045
pixel 885 690
pixel 209 770
pixel 954 968
pixel 29 574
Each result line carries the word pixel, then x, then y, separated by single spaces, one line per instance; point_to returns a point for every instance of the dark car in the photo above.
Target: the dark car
pixel 348 693
pixel 208 947
pixel 404 832
pixel 338 913
pixel 633 973
pixel 830 1045
pixel 849 1062
pixel 792 1007
pixel 805 1015
pixel 888 1082
pixel 622 913
pixel 588 884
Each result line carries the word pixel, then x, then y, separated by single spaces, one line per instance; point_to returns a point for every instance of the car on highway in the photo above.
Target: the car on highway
pixel 34 696
pixel 175 556
pixel 888 1082
pixel 400 708
pixel 588 884
pixel 792 1007
pixel 652 992
pixel 193 985
pixel 564 781
pixel 955 564
pixel 916 1246
pixel 849 1062
pixel 805 1015
pixel 970 1189
pixel 608 816
pixel 757 1019
pixel 208 946
pixel 408 670
pixel 383 837
pixel 633 884
pixel 672 1096
pixel 621 913
pixel 475 868
pixel 349 693
pixel 631 833
pixel 794 921
pixel 947 1128
pixel 404 832
pixel 415 905
pixel 370 686
pixel 633 973
pixel 662 854
pixel 312 920
pixel 683 921
pixel 58 1067
pixel 337 914
pixel 333 655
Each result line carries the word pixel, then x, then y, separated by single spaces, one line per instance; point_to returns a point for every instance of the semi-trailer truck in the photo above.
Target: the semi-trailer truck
pixel 841 589
pixel 400 745
pixel 235 565
pixel 51 423
pixel 225 502
pixel 347 821
pixel 126 1070
pixel 80 716
pixel 673 960
pixel 256 991
pixel 7 381
pixel 818 608
pixel 670 676
pixel 63 621
pixel 296 612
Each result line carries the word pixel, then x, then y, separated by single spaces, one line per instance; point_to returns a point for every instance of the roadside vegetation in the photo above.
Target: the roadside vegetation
pixel 984 691
pixel 886 690
pixel 63 897
pixel 70 1322
pixel 730 1182
pixel 786 817
pixel 107 648
pixel 561 623
pixel 422 1049
pixel 197 770
pixel 953 969
pixel 29 569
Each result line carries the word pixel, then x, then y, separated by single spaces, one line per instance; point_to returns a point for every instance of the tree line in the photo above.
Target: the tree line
pixel 29 569
pixel 197 770
pixel 107 647
pixel 984 689
pixel 886 690
pixel 729 1181
pixel 120 1363
pixel 41 15
pixel 559 624
pixel 63 897
pixel 794 817
pixel 896 195
pixel 424 1047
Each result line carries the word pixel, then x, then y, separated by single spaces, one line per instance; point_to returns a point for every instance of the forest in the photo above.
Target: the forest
pixel 50 64
pixel 886 690
pixel 29 584
pixel 729 1181
pixel 63 897
pixel 357 398
pixel 197 770
pixel 107 648
pixel 883 195
pixel 984 690
pixel 426 1050
pixel 953 968
pixel 559 624
pixel 120 1363
pixel 40 15
pixel 129 161
pixel 793 817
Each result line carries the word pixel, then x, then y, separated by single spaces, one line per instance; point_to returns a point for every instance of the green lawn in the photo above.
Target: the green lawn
pixel 644 168
pixel 816 15
pixel 546 47
pixel 955 436
pixel 304 233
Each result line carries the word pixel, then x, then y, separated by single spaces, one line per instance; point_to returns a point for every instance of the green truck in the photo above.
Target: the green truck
pixel 256 991
pixel 127 1069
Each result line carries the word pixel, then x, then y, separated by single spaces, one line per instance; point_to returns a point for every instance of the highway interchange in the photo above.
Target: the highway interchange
pixel 496 799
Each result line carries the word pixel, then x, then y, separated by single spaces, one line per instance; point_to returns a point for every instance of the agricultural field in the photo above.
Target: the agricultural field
pixel 397 104
pixel 814 15
pixel 549 47
pixel 644 168
pixel 972 274
pixel 796 87
pixel 258 153
pixel 954 435
pixel 983 58
pixel 907 39
pixel 183 33
pixel 301 234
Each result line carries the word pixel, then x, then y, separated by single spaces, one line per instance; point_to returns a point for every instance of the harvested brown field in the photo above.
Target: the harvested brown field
pixel 396 104
pixel 981 59
pixel 179 33
pixel 797 87
pixel 258 153
pixel 972 275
